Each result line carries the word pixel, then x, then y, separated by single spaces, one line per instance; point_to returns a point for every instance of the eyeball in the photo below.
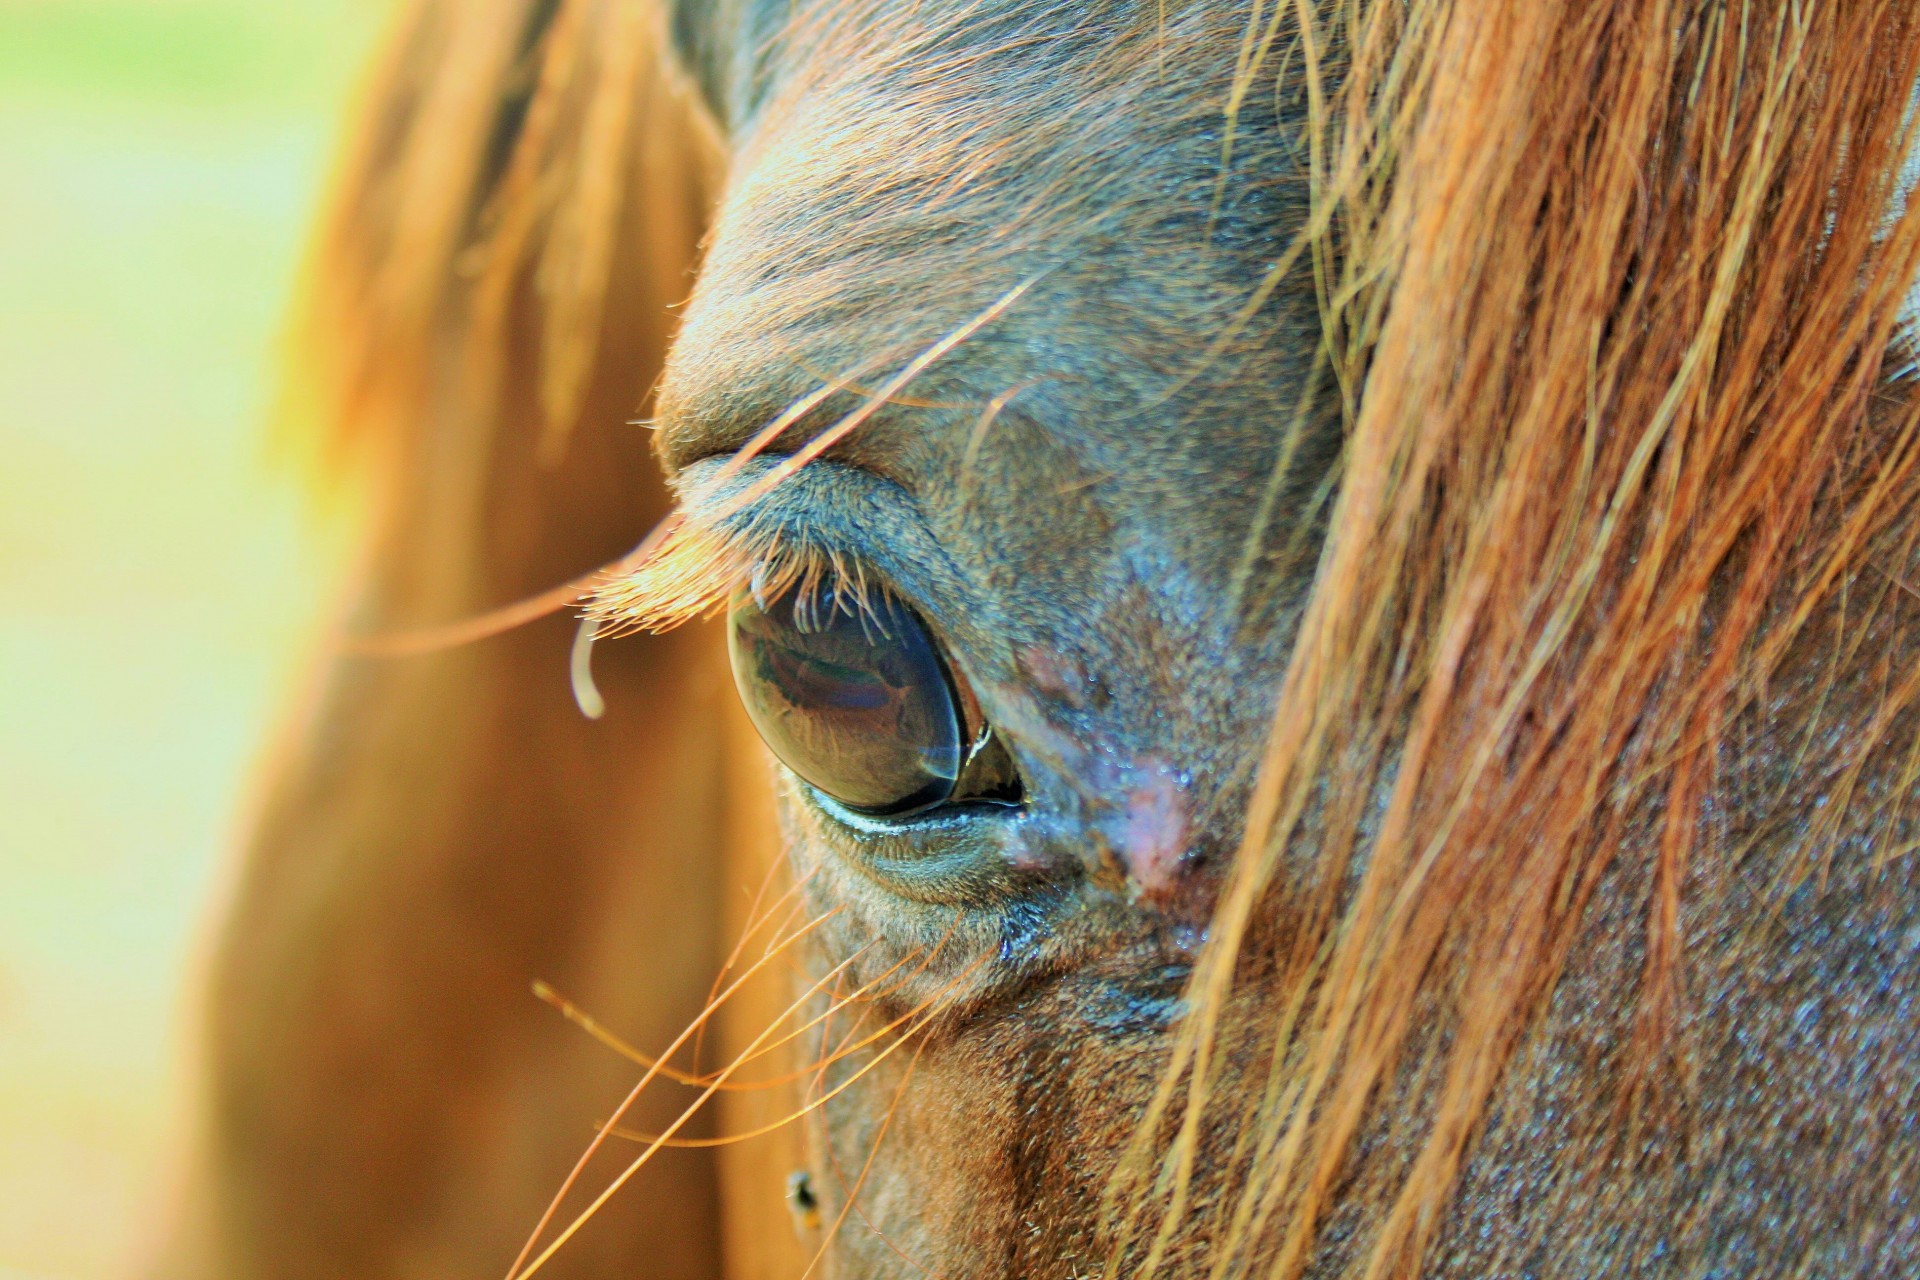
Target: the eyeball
pixel 854 697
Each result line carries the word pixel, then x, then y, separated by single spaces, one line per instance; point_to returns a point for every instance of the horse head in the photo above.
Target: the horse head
pixel 1325 586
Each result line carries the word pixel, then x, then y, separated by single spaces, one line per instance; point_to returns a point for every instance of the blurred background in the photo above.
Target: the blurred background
pixel 160 572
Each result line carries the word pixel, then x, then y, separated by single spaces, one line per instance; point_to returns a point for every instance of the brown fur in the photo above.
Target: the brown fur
pixel 1559 921
pixel 385 1096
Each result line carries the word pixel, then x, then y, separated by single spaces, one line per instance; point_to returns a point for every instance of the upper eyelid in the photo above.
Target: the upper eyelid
pixel 720 420
pixel 711 551
pixel 697 569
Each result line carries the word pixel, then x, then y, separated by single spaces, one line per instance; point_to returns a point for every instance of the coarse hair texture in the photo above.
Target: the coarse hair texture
pixel 1607 291
pixel 518 167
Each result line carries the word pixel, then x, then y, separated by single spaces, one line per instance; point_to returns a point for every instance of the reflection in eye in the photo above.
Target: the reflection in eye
pixel 855 699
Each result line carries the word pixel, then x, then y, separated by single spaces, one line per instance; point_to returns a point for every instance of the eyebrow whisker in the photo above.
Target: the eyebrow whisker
pixel 841 429
pixel 693 562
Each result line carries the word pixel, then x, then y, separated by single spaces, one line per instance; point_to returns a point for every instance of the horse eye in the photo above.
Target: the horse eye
pixel 853 697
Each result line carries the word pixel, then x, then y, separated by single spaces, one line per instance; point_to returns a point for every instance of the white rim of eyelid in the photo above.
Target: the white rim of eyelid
pixel 934 816
pixel 872 824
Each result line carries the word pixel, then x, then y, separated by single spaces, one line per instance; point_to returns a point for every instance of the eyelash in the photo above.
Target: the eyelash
pixel 698 568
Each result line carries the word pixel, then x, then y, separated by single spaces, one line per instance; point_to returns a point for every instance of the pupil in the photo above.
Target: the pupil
pixel 854 699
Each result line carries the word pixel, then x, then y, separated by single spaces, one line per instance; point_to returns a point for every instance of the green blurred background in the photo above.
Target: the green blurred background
pixel 159 574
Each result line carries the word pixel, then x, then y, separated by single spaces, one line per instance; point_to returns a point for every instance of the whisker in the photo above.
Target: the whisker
pixel 726 1140
pixel 756 920
pixel 407 642
pixel 991 414
pixel 873 1152
pixel 574 1175
pixel 908 402
pixel 586 1022
pixel 863 996
pixel 847 1045
pixel 703 563
pixel 841 429
pixel 410 641
pixel 687 1114
pixel 777 943
pixel 929 1003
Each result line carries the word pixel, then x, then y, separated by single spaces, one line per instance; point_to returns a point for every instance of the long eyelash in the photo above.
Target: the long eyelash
pixel 699 567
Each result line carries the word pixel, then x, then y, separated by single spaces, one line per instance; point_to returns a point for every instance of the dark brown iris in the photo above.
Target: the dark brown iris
pixel 853 697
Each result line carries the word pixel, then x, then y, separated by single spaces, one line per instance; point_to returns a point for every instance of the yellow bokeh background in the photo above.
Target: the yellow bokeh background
pixel 160 573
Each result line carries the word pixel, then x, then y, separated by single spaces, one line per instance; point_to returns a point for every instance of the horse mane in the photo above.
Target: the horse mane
pixel 487 302
pixel 519 170
pixel 1607 292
